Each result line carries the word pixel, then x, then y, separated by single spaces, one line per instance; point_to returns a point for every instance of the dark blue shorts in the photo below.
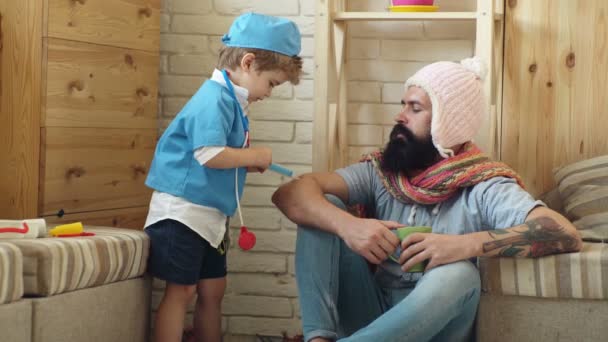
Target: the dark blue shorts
pixel 179 255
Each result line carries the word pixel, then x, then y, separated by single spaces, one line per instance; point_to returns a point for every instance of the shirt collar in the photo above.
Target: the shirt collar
pixel 242 94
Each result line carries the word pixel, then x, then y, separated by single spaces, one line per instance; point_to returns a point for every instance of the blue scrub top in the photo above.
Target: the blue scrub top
pixel 210 118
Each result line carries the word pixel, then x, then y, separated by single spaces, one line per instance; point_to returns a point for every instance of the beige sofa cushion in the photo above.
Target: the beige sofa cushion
pixel 11 270
pixel 583 188
pixel 570 275
pixel 57 265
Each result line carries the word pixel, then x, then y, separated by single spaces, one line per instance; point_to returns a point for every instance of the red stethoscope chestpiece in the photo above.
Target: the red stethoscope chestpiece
pixel 246 239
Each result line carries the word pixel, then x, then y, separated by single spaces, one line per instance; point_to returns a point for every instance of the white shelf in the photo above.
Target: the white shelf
pixel 330 122
pixel 389 16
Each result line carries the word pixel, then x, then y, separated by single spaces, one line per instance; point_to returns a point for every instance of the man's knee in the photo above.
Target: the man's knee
pixel 462 273
pixel 312 238
pixel 462 268
pixel 333 200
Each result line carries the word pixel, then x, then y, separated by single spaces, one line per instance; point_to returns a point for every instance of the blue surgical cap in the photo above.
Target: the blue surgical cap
pixel 258 31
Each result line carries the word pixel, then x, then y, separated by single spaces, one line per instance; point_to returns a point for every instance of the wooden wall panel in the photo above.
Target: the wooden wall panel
pixel 133 218
pixel 87 169
pixel 91 85
pixel 20 74
pixel 555 100
pixel 132 24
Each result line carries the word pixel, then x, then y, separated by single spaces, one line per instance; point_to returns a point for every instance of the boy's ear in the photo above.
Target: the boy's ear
pixel 247 62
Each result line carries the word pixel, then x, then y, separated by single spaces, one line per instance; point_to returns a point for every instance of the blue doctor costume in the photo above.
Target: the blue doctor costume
pixel 187 191
pixel 213 117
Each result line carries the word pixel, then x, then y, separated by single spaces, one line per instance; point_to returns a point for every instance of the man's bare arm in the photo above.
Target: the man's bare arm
pixel 303 200
pixel 545 232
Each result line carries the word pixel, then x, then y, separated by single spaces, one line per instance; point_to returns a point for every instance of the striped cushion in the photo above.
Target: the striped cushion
pixel 11 270
pixel 583 188
pixel 572 275
pixel 57 265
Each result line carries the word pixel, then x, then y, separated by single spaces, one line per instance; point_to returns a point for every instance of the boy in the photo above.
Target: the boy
pixel 199 169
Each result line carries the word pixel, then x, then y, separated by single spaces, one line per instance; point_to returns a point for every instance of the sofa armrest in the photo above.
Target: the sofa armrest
pixel 569 275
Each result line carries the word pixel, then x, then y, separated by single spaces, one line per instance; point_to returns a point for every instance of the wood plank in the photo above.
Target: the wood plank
pixel 339 40
pixel 322 59
pixel 133 218
pixel 484 49
pixel 332 128
pixel 342 119
pixel 20 74
pixel 395 16
pixel 499 35
pixel 133 24
pixel 340 144
pixel 2 58
pixel 529 64
pixel 92 85
pixel 554 103
pixel 89 169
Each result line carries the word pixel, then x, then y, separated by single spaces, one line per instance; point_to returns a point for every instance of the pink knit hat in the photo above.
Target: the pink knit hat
pixel 456 95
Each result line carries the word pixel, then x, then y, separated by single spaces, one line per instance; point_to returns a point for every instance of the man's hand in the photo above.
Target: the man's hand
pixel 372 239
pixel 439 249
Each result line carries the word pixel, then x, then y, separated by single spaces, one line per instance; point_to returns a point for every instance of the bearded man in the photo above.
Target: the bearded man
pixel 430 173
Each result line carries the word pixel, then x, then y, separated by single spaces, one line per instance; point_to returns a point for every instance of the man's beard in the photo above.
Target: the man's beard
pixel 411 153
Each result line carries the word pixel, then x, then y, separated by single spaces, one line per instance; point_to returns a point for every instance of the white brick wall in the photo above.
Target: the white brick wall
pixel 261 297
pixel 382 55
pixel 364 91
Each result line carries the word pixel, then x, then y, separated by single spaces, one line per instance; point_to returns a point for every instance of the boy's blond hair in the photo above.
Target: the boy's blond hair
pixel 265 60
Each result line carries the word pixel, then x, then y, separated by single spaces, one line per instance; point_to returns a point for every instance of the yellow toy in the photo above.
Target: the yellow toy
pixel 70 229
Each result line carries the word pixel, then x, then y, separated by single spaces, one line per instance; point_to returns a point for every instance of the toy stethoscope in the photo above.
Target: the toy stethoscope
pixel 246 238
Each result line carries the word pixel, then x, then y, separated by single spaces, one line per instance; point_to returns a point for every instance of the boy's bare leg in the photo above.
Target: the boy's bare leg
pixel 208 311
pixel 171 313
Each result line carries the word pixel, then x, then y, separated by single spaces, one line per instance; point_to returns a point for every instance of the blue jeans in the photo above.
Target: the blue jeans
pixel 340 299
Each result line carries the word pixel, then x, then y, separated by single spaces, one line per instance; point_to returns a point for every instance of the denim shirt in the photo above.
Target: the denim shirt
pixel 496 203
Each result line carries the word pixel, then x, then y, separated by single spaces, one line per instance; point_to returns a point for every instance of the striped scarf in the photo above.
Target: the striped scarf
pixel 444 179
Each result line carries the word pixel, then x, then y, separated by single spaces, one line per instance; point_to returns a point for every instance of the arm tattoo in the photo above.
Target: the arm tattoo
pixel 535 238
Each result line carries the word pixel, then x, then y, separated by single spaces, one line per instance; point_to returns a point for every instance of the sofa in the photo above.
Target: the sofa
pixel 75 289
pixel 560 297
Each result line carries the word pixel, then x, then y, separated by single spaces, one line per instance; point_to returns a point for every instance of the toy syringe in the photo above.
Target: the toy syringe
pixel 281 170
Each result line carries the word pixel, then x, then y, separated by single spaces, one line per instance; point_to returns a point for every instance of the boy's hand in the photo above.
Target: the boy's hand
pixel 255 169
pixel 263 157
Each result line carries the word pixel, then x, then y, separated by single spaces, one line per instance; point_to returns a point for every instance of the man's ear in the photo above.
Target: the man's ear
pixel 247 62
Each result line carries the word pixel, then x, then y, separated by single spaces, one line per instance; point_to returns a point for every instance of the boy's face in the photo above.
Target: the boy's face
pixel 260 84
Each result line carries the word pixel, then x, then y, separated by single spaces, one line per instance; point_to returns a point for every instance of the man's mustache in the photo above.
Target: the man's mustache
pixel 399 129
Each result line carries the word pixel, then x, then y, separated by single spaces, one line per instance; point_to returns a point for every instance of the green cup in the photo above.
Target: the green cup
pixel 402 233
